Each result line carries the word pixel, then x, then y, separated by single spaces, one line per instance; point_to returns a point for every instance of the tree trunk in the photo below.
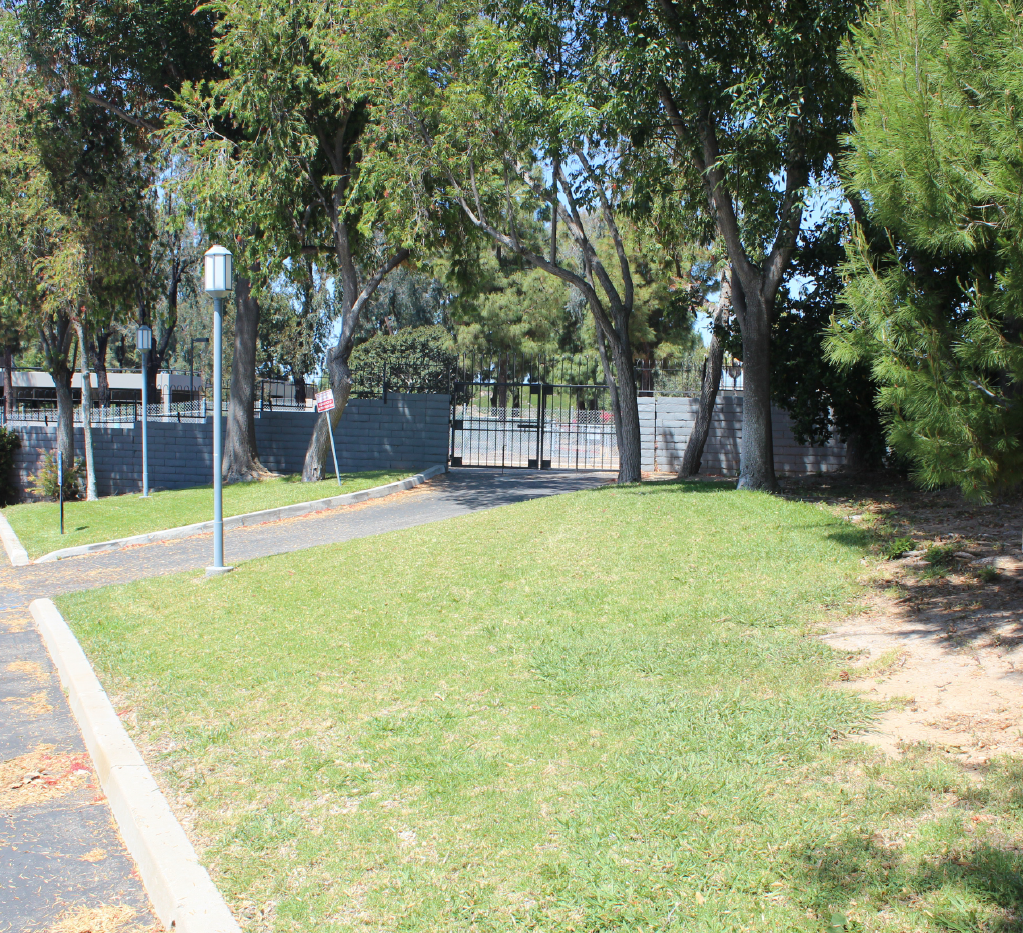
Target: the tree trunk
pixel 612 388
pixel 315 467
pixel 90 460
pixel 98 349
pixel 693 456
pixel 629 449
pixel 756 454
pixel 300 390
pixel 502 387
pixel 241 457
pixel 65 414
pixel 8 384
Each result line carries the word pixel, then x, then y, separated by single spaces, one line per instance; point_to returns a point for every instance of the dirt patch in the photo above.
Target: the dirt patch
pixel 939 643
pixel 117 918
pixel 40 776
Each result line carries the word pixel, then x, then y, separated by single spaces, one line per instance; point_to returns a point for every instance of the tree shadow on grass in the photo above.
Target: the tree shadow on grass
pixel 959 888
pixel 670 487
pixel 962 884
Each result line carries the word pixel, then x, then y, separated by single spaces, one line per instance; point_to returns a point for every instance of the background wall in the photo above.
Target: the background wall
pixel 666 423
pixel 407 432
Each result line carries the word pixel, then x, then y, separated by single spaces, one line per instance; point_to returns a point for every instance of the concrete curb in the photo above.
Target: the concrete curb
pixel 238 521
pixel 183 895
pixel 17 554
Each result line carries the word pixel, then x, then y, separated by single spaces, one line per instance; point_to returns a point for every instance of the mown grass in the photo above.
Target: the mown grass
pixel 600 711
pixel 37 524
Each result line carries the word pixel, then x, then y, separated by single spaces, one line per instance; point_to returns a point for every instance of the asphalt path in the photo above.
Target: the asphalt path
pixel 60 851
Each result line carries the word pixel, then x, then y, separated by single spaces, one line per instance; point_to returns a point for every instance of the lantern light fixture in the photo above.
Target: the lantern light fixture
pixel 218 265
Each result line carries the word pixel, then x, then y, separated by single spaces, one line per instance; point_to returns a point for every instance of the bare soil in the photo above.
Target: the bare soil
pixel 939 641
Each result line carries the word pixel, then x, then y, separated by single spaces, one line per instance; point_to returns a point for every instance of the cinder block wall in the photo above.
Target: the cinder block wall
pixel 407 432
pixel 666 423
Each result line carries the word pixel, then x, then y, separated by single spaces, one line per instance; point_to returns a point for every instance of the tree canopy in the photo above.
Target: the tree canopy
pixel 934 286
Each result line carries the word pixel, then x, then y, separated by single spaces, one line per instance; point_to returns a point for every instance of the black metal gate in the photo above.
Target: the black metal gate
pixel 507 413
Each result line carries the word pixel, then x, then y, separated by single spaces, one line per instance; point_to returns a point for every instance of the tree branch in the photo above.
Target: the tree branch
pixel 623 259
pixel 123 114
pixel 790 220
pixel 706 159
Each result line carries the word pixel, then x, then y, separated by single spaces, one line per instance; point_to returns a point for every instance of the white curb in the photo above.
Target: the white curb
pixel 239 521
pixel 17 554
pixel 183 896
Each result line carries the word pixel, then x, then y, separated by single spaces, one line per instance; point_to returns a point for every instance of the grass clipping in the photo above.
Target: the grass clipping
pixel 40 776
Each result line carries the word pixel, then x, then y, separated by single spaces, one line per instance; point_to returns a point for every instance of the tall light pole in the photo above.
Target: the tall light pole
pixel 144 342
pixel 219 280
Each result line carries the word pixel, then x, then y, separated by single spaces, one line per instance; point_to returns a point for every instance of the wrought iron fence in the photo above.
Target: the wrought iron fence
pixel 685 380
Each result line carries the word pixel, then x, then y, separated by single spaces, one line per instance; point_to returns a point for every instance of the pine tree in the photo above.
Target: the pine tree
pixel 934 274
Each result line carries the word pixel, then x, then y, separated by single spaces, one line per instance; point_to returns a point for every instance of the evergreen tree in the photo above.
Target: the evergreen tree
pixel 935 275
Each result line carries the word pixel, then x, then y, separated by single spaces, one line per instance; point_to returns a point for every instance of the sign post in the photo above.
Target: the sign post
pixel 60 487
pixel 325 403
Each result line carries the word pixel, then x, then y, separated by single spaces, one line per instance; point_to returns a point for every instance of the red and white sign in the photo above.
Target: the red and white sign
pixel 324 400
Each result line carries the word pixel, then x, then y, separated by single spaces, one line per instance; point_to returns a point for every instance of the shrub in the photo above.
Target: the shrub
pixel 417 359
pixel 894 549
pixel 940 555
pixel 988 574
pixel 9 443
pixel 44 483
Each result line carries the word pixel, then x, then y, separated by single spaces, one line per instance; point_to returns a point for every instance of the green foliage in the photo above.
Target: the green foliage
pixel 935 275
pixel 896 547
pixel 406 298
pixel 10 442
pixel 762 79
pixel 46 483
pixel 988 574
pixel 294 323
pixel 940 555
pixel 822 398
pixel 416 359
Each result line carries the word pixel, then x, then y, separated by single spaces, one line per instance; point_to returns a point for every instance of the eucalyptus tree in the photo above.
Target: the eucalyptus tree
pixel 757 101
pixel 309 173
pixel 501 109
pixel 47 202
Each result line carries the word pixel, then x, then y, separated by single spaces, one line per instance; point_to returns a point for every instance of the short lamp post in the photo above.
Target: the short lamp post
pixel 219 280
pixel 144 342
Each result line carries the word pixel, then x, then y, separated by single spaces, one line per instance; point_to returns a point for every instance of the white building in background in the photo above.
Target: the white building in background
pixel 33 386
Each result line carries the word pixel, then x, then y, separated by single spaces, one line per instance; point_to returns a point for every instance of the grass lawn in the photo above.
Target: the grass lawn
pixel 594 712
pixel 38 523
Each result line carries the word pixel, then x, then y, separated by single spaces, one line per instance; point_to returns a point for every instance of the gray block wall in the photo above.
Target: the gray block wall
pixel 666 423
pixel 407 432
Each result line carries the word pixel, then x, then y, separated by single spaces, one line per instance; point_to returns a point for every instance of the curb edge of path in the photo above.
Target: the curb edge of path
pixel 184 896
pixel 235 521
pixel 12 545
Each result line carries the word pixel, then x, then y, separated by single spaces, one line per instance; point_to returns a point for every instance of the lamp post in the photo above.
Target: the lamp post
pixel 144 342
pixel 191 365
pixel 219 279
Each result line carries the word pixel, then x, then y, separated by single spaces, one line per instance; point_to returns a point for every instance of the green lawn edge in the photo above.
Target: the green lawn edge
pixel 37 524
